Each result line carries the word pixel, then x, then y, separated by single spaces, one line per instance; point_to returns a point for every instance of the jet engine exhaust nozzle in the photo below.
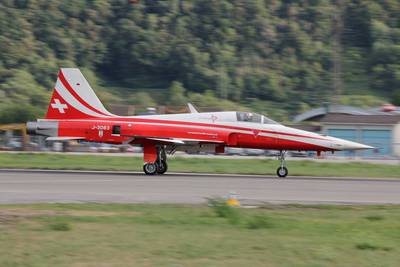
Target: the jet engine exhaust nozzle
pixel 44 128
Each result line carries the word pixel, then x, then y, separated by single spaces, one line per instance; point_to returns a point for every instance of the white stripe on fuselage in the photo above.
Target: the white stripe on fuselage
pixel 276 129
pixel 307 140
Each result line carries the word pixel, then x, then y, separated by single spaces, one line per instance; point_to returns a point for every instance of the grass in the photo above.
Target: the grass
pixel 170 235
pixel 209 165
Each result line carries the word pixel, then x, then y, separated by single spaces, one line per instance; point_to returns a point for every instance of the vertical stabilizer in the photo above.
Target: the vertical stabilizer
pixel 192 108
pixel 73 98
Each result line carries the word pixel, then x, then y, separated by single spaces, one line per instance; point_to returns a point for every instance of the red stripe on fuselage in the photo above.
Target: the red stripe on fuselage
pixel 74 94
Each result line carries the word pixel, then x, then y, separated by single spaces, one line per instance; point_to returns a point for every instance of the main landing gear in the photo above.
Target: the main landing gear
pixel 282 171
pixel 159 166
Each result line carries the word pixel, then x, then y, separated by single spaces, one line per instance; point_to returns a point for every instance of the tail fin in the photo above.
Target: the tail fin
pixel 73 98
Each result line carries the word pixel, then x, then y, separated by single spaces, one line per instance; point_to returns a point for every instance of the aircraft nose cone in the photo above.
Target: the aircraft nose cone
pixel 357 146
pixel 342 144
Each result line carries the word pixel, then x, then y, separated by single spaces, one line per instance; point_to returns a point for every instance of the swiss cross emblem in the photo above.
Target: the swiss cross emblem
pixel 57 105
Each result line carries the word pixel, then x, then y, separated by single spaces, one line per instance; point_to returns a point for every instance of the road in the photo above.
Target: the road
pixel 74 187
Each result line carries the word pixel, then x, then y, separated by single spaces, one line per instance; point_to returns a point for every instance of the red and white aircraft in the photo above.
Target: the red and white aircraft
pixel 75 113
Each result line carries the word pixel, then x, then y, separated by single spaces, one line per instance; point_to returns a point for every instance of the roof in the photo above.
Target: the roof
pixel 361 119
pixel 340 109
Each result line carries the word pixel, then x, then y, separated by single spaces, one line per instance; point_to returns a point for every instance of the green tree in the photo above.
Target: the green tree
pixel 274 50
pixel 176 93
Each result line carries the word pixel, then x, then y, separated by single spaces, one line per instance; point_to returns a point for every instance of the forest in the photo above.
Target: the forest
pixel 277 57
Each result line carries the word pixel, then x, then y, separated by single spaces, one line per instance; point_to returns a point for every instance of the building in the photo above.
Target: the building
pixel 379 131
pixel 378 127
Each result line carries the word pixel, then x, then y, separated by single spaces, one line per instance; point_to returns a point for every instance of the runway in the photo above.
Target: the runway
pixel 18 186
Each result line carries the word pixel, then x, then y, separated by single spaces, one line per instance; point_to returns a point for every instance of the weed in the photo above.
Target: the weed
pixel 222 210
pixel 61 226
pixel 374 218
pixel 366 246
pixel 259 222
pixel 369 246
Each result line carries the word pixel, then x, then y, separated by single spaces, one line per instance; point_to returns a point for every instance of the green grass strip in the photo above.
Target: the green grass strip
pixel 199 165
pixel 170 235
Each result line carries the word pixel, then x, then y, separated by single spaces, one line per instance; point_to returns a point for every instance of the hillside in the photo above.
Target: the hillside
pixel 271 56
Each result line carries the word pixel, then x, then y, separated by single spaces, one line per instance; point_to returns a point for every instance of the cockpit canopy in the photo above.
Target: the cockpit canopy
pixel 254 117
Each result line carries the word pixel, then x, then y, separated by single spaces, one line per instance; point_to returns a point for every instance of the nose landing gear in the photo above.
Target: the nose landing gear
pixel 282 171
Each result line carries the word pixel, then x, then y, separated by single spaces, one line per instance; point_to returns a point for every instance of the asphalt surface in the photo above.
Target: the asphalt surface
pixel 74 187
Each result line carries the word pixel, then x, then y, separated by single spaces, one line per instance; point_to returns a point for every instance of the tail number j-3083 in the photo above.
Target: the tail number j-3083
pixel 101 129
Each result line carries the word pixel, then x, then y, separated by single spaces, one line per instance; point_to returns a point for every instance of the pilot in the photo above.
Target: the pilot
pixel 249 116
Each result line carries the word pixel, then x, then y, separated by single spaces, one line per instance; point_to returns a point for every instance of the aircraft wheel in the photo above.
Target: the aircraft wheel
pixel 282 172
pixel 150 168
pixel 162 168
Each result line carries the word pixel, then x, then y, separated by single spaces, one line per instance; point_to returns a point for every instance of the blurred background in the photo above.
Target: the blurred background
pixel 326 66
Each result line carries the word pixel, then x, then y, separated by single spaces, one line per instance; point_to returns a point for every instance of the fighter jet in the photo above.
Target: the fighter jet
pixel 76 113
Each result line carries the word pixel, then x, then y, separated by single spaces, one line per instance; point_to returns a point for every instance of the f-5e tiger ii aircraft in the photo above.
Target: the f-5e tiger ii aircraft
pixel 75 113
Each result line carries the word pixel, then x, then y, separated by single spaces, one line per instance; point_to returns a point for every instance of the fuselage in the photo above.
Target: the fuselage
pixel 217 127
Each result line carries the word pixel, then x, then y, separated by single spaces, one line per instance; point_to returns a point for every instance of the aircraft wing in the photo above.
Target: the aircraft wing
pixel 168 140
pixel 64 138
pixel 178 141
pixel 185 141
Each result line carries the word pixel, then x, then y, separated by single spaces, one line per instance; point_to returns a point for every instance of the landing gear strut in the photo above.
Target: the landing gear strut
pixel 282 171
pixel 159 165
pixel 161 162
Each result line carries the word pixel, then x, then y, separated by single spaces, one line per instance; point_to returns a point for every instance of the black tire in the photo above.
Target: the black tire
pixel 150 168
pixel 161 169
pixel 282 172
